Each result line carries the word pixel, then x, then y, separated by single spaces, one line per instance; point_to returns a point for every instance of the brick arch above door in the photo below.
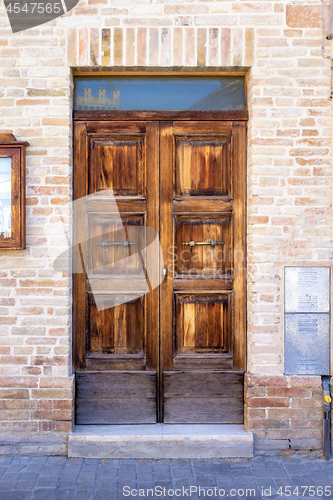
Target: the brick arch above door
pixel 160 46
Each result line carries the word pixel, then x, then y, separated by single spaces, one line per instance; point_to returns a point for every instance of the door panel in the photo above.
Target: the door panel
pixel 119 164
pixel 202 323
pixel 115 397
pixel 222 401
pixel 201 165
pixel 198 334
pixel 118 152
pixel 116 330
pixel 175 353
pixel 203 259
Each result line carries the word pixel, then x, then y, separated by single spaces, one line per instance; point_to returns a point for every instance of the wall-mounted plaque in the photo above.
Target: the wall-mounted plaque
pixel 307 289
pixel 307 344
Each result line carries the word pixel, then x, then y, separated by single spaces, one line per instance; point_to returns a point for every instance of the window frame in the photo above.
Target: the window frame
pixel 15 150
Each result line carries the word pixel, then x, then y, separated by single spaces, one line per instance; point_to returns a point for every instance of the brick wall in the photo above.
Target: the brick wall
pixel 289 177
pixel 284 413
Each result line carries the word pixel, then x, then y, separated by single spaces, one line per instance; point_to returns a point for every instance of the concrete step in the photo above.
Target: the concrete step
pixel 160 441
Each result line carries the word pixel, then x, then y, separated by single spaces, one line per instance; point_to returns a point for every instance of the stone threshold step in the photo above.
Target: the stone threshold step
pixel 160 441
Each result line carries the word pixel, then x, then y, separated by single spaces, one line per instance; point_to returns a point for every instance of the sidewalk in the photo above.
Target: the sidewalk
pixel 60 478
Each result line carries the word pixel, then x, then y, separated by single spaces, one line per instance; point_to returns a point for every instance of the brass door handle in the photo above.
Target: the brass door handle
pixel 212 243
pixel 105 244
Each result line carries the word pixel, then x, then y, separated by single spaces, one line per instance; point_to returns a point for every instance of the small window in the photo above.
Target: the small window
pixel 157 93
pixel 12 192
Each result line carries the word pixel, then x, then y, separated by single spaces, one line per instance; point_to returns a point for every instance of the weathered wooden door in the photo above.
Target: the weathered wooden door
pixel 203 300
pixel 116 348
pixel 174 353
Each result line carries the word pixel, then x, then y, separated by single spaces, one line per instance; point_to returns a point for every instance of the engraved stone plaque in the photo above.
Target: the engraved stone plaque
pixel 307 289
pixel 307 344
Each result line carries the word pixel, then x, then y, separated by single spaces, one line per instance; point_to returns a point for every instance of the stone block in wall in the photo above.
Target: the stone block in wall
pixel 270 446
pixel 33 444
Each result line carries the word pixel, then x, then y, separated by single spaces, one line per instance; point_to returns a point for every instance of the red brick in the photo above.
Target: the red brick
pixel 18 404
pixel 47 283
pixel 272 142
pixel 14 394
pixel 106 36
pixel 269 424
pixel 56 426
pixel 33 102
pixel 258 219
pixel 255 391
pixel 267 402
pixel 57 179
pixel 287 391
pixel 277 380
pixel 7 302
pixel 7 282
pixel 52 394
pixel 51 415
pixel 83 47
pixel 14 415
pixel 18 382
pixel 59 201
pixel 307 122
pixel 13 360
pixel 142 46
pixel 55 404
pixel 56 382
pixel 49 361
pixel 304 16
pixel 304 423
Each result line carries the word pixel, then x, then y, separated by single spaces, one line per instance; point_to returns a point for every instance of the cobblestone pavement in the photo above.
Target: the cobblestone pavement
pixel 61 478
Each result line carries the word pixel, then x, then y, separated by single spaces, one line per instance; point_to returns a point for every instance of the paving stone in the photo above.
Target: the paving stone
pixel 43 494
pixel 6 460
pixel 47 482
pixel 51 470
pixel 103 494
pixel 21 494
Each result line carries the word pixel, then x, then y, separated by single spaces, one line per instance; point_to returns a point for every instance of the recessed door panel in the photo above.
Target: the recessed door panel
pixel 203 244
pixel 202 165
pixel 118 164
pixel 202 323
pixel 116 328
pixel 115 244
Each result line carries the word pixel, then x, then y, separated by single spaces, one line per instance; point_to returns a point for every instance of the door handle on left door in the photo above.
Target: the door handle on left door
pixel 164 272
pixel 212 243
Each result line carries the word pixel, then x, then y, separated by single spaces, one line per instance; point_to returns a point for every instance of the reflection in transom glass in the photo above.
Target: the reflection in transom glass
pixel 173 93
pixel 5 197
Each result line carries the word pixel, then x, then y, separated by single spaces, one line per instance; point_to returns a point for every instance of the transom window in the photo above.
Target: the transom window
pixel 160 93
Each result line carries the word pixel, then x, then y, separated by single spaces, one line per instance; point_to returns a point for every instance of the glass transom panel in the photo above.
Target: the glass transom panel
pixel 155 93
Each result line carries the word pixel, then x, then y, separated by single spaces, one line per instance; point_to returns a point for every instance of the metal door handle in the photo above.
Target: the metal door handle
pixel 105 244
pixel 212 243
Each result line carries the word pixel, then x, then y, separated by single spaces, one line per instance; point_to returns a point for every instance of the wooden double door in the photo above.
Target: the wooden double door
pixel 159 337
